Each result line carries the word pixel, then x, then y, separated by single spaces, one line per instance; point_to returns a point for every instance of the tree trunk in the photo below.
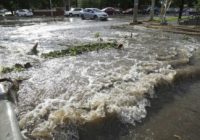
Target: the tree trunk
pixel 135 11
pixel 76 3
pixel 165 6
pixel 69 4
pixel 50 2
pixel 64 4
pixel 152 10
pixel 181 6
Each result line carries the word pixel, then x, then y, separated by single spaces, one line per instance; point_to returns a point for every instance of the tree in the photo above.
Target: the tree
pixel 164 7
pixel 198 4
pixel 181 6
pixel 135 11
pixel 152 9
pixel 11 5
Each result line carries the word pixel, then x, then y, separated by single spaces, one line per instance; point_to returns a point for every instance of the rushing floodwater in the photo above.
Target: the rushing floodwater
pixel 69 92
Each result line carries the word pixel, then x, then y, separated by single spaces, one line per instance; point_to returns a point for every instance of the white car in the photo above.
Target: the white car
pixel 5 12
pixel 93 13
pixel 73 12
pixel 24 12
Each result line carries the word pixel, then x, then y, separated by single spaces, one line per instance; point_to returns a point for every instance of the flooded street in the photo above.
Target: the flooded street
pixel 107 94
pixel 174 115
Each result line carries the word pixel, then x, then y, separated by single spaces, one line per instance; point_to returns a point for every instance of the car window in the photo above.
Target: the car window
pixel 78 9
pixel 89 10
pixel 97 10
pixel 21 10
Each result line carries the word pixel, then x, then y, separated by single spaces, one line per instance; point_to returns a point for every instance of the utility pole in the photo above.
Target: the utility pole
pixel 135 11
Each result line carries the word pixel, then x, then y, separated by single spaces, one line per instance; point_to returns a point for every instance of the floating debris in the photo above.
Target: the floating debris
pixel 34 50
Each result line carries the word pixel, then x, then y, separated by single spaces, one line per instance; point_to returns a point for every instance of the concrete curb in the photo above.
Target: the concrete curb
pixel 9 129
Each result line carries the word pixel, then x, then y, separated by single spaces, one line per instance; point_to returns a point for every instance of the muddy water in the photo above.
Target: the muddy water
pixel 174 115
pixel 97 95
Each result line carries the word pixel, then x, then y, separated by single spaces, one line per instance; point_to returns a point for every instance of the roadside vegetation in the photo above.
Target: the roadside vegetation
pixel 16 68
pixel 77 50
pixel 170 18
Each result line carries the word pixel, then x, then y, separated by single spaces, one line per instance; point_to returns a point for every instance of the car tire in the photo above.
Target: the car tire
pixel 70 14
pixel 95 17
pixel 82 17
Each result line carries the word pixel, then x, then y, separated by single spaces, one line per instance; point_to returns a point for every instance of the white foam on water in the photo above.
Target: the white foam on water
pixel 82 89
pixel 88 87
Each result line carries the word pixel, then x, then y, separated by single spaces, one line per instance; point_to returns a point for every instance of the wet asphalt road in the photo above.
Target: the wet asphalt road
pixel 13 21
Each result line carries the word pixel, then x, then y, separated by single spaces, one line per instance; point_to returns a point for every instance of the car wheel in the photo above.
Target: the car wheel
pixel 70 14
pixel 82 17
pixel 95 17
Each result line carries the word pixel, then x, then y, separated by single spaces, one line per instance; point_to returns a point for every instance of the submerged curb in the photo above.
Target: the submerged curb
pixel 9 129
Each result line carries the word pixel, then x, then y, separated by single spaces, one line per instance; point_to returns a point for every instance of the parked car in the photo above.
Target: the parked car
pixel 148 9
pixel 93 13
pixel 73 12
pixel 24 12
pixel 172 11
pixel 128 11
pixel 5 12
pixel 111 10
pixel 2 13
pixel 189 11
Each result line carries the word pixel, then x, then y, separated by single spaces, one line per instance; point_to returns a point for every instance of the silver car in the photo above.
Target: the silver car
pixel 93 13
pixel 24 12
pixel 73 12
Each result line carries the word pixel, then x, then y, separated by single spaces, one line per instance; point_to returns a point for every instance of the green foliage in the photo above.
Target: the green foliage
pixel 105 3
pixel 77 50
pixel 124 4
pixel 17 68
pixel 10 69
pixel 6 69
pixel 11 5
pixel 97 35
pixel 198 5
pixel 170 19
